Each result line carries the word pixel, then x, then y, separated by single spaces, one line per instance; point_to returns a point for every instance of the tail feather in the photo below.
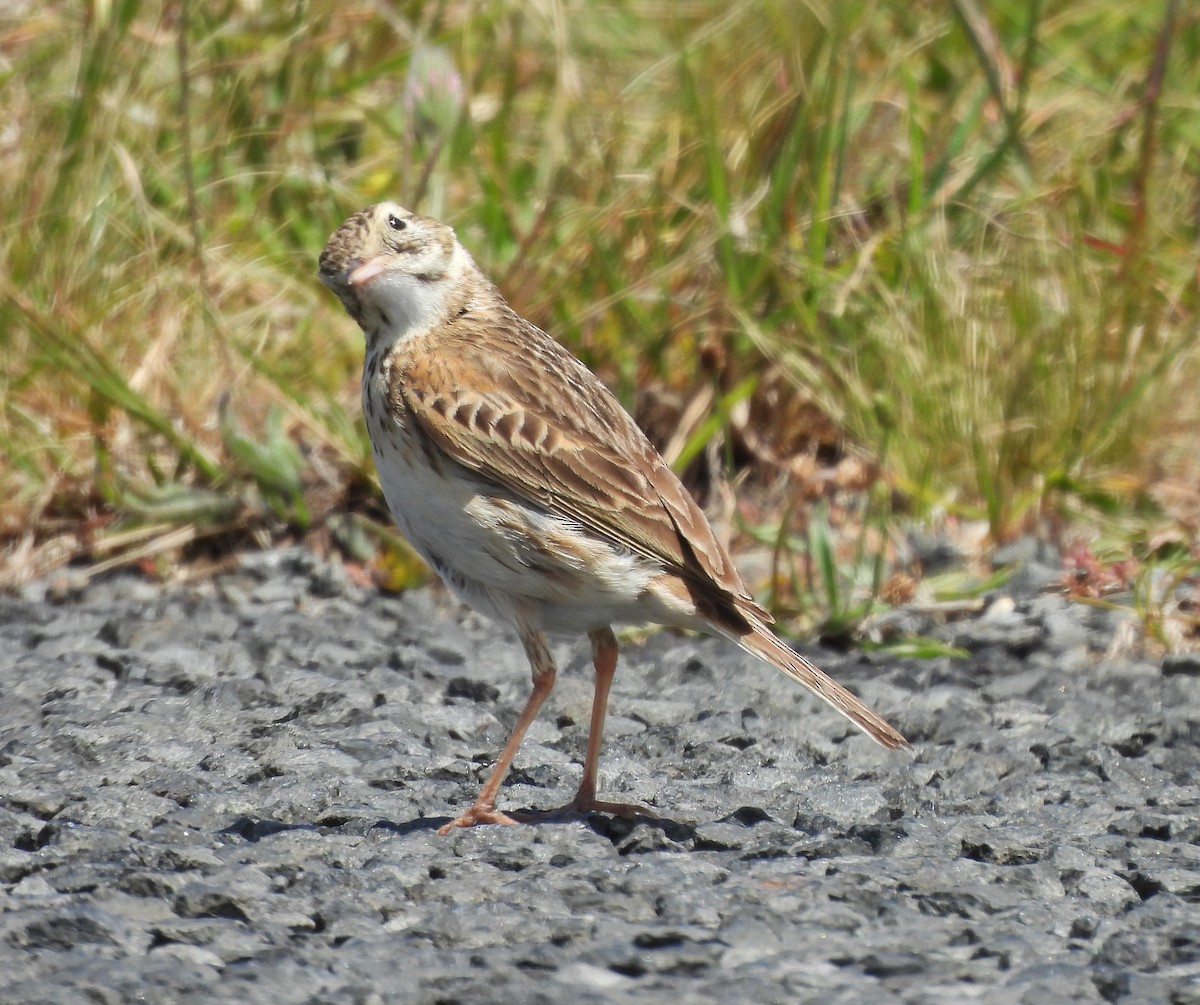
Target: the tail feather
pixel 763 643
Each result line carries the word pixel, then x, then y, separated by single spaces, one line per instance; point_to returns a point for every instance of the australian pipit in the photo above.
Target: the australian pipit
pixel 522 481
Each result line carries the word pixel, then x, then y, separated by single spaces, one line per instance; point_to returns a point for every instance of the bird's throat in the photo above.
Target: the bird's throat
pixel 396 305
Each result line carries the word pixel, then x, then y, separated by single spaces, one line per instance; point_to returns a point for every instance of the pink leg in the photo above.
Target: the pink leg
pixel 604 655
pixel 483 810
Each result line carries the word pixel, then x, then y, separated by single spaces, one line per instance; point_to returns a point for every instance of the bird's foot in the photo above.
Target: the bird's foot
pixel 583 805
pixel 626 810
pixel 579 806
pixel 479 813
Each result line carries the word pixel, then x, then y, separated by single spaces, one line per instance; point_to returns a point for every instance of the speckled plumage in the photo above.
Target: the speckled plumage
pixel 523 482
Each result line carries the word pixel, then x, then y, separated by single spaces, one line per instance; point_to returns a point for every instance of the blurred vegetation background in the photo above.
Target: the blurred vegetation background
pixel 943 255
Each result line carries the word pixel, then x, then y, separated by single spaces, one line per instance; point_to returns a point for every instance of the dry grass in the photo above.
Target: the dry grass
pixel 968 238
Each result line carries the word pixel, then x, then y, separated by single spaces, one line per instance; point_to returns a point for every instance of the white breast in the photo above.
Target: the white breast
pixel 492 548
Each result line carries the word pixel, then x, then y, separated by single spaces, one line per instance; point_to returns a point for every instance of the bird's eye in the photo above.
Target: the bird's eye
pixel 395 222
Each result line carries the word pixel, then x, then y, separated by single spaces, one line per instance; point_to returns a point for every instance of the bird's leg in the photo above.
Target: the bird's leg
pixel 604 656
pixel 483 810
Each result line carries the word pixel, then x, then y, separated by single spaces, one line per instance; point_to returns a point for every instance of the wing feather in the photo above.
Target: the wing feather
pixel 535 420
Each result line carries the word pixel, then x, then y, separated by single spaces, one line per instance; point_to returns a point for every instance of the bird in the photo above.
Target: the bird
pixel 527 487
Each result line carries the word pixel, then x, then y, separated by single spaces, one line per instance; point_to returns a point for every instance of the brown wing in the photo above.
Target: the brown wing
pixel 535 420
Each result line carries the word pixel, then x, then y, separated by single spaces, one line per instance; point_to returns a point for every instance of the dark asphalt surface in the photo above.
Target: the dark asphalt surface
pixel 227 792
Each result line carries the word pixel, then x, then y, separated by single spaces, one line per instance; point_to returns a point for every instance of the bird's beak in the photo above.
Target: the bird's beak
pixel 362 274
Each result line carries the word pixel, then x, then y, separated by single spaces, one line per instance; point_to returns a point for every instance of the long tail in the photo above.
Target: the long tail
pixel 762 642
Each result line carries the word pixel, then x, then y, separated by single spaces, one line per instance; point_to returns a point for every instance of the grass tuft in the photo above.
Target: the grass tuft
pixel 967 236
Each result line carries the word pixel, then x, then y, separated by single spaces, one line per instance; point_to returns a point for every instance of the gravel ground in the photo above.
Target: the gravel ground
pixel 228 792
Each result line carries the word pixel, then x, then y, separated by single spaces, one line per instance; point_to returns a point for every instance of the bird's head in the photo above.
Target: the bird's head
pixel 390 267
